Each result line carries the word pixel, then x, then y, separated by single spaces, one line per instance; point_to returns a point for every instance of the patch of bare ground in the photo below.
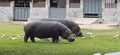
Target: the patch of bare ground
pixel 98 26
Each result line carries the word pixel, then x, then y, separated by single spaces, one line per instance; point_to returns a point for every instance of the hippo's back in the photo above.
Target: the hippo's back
pixel 44 28
pixel 66 22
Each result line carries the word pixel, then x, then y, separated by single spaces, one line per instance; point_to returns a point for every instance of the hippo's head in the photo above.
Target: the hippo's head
pixel 79 34
pixel 71 38
pixel 68 36
pixel 76 30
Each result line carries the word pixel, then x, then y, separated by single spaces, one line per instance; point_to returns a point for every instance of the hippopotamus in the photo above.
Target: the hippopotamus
pixel 70 24
pixel 47 29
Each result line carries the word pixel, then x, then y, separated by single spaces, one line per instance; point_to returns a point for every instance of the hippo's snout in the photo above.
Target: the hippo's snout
pixel 79 34
pixel 71 39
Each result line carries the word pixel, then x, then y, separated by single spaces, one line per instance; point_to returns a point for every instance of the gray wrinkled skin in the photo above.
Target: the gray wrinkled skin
pixel 47 29
pixel 70 24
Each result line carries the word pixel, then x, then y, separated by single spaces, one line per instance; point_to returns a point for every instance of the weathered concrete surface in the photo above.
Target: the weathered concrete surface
pixel 114 53
pixel 75 13
pixel 6 13
pixel 97 54
pixel 39 13
pixel 110 14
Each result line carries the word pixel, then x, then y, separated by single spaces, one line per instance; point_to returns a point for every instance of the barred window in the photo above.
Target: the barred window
pixel 58 3
pixel 74 3
pixel 110 3
pixel 22 3
pixel 4 3
pixel 39 3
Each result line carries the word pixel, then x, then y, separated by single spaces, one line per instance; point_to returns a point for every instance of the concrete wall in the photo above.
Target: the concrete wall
pixel 37 12
pixel 118 11
pixel 111 14
pixel 6 13
pixel 71 13
pixel 108 14
pixel 74 13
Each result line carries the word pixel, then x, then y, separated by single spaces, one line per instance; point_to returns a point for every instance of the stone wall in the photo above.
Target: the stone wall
pixel 74 13
pixel 37 12
pixel 71 13
pixel 108 14
pixel 118 10
pixel 6 13
pixel 111 14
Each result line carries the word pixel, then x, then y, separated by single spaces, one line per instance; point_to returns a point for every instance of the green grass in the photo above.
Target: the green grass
pixel 103 42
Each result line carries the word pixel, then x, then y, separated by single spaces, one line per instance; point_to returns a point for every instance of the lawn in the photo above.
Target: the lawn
pixel 95 41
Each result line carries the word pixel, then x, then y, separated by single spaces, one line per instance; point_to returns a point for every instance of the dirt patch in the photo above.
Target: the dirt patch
pixel 98 26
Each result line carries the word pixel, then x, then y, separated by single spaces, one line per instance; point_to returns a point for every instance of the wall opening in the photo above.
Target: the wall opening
pixel 21 10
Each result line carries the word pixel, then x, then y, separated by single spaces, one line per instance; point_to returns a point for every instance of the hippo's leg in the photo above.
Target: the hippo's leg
pixel 32 38
pixel 26 37
pixel 55 39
